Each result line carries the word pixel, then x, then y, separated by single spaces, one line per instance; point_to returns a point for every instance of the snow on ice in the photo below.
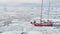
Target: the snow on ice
pixel 16 20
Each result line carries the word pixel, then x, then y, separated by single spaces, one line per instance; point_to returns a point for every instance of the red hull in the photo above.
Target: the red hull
pixel 48 24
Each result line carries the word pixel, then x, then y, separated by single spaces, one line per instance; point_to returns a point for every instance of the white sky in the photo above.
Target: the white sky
pixel 22 1
pixel 53 2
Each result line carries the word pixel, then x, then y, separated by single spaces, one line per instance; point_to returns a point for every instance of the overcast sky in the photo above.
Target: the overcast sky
pixel 29 1
pixel 53 2
pixel 22 1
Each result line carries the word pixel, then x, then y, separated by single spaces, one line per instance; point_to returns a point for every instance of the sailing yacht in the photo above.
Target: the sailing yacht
pixel 43 22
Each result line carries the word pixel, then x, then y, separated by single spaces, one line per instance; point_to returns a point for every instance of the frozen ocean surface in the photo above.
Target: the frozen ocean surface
pixel 17 28
pixel 15 20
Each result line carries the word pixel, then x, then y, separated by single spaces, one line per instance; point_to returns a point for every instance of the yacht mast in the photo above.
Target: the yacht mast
pixel 41 10
pixel 48 10
pixel 5 9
